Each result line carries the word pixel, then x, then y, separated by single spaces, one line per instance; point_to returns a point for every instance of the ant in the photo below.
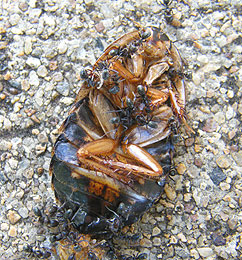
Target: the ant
pixel 105 73
pixel 169 16
pixel 89 77
pixel 141 256
pixel 131 48
pixel 38 253
pixel 174 125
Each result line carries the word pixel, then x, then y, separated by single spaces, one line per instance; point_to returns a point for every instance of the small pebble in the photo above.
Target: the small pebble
pixel 40 148
pixel 23 212
pixel 14 19
pixel 194 253
pixel 4 226
pixel 223 161
pixel 217 176
pixel 33 79
pixel 42 71
pixel 62 47
pixel 5 145
pixel 173 240
pixel 7 124
pixel 205 251
pixel 198 162
pixel 170 192
pixel 181 168
pixel 230 93
pixel 224 186
pixel 33 62
pixel 198 148
pixel 28 46
pixel 182 252
pixel 238 157
pixel 232 134
pixel 182 237
pixel 13 216
pixel 232 223
pixel 67 101
pixel 210 125
pixel 187 197
pixel 189 142
pixel 218 239
pixel 57 77
pixel 99 27
pixel 156 231
pixel 229 113
pixel 240 108
pixel 224 216
pixel 144 242
pixel 53 65
pixel 156 241
pixel 12 231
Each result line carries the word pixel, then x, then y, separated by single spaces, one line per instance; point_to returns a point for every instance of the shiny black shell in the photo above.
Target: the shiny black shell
pixel 104 199
pixel 92 213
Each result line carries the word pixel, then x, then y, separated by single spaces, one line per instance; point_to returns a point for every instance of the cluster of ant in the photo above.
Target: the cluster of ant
pixel 69 243
pixel 101 74
pixel 65 239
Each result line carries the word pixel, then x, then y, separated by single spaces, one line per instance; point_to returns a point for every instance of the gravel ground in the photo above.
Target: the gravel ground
pixel 43 47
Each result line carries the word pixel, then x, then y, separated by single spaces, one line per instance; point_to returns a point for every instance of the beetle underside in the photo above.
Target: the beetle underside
pixel 115 149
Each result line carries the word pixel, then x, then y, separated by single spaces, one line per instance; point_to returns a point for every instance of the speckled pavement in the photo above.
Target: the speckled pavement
pixel 43 47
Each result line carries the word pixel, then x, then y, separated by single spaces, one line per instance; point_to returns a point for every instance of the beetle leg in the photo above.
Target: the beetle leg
pixel 143 157
pixel 178 106
pixel 104 111
pixel 176 58
pixel 157 96
pixel 98 147
pixel 123 72
pixel 105 147
pixel 99 165
pixel 127 169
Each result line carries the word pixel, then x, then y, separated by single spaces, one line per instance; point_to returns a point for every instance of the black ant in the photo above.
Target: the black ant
pixel 141 256
pixel 114 89
pixel 174 125
pixel 89 77
pixel 169 16
pixel 145 100
pixel 123 52
pixel 105 73
pixel 126 52
pixel 92 256
pixel 38 253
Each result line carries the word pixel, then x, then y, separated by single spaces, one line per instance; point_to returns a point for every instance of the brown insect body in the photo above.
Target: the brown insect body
pixel 110 162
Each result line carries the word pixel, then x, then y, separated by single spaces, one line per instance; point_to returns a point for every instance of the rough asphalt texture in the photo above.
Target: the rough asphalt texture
pixel 43 47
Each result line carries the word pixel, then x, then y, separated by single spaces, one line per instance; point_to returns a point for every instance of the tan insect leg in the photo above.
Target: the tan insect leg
pixel 179 110
pixel 99 147
pixel 140 155
pixel 123 72
pixel 157 96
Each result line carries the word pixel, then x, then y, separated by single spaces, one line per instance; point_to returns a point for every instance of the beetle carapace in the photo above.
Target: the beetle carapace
pixel 115 149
